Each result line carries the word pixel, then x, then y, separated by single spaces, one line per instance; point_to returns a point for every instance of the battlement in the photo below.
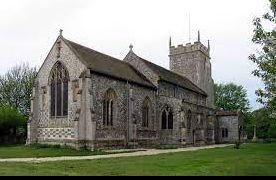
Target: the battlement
pixel 188 48
pixel 193 61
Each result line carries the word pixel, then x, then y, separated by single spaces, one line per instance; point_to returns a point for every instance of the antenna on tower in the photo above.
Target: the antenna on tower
pixel 209 46
pixel 198 36
pixel 190 39
pixel 170 43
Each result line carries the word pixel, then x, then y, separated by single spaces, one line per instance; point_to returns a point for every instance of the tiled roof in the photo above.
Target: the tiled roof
pixel 172 77
pixel 107 65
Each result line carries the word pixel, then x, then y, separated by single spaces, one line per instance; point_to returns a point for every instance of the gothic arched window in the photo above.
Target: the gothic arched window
pixel 146 112
pixel 167 119
pixel 108 107
pixel 189 120
pixel 59 79
pixel 170 120
pixel 164 120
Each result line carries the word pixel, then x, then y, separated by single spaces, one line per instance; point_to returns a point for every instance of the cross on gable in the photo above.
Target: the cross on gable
pixel 60 32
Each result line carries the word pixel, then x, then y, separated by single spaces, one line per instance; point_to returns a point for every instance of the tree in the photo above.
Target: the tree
pixel 231 97
pixel 12 125
pixel 16 88
pixel 265 59
pixel 265 124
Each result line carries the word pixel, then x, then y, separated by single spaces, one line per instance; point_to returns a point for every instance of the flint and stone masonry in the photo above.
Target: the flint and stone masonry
pixel 99 102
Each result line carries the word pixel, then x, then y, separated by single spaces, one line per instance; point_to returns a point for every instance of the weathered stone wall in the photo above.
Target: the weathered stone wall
pixel 231 123
pixel 132 59
pixel 118 134
pixel 193 61
pixel 181 101
pixel 49 129
pixel 84 125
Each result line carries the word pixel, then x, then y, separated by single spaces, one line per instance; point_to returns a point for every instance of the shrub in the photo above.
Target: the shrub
pixel 48 146
pixel 165 147
pixel 12 125
pixel 237 145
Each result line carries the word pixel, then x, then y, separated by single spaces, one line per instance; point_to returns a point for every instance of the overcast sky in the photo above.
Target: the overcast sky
pixel 28 29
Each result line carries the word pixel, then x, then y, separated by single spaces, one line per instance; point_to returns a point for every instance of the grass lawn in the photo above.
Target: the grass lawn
pixel 251 159
pixel 21 151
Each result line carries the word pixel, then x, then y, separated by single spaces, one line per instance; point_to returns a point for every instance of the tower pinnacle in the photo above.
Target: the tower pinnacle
pixel 198 36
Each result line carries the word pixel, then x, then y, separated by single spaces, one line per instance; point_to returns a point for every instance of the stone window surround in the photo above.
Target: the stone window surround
pixel 225 133
pixel 168 112
pixel 66 75
pixel 146 114
pixel 109 108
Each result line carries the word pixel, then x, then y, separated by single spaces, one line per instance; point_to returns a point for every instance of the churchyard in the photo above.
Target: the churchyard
pixel 251 159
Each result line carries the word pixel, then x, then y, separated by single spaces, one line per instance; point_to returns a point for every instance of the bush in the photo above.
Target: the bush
pixel 237 145
pixel 13 125
pixel 166 147
pixel 48 146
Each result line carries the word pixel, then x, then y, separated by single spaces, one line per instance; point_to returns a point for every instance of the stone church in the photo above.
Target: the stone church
pixel 86 99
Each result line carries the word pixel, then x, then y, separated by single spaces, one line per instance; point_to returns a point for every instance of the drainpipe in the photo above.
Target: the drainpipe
pixel 128 115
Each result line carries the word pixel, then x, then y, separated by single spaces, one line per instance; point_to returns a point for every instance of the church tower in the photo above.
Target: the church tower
pixel 194 62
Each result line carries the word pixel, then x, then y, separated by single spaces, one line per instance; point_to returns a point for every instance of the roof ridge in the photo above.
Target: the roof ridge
pixel 73 46
pixel 97 51
pixel 142 75
pixel 108 56
pixel 92 50
pixel 170 72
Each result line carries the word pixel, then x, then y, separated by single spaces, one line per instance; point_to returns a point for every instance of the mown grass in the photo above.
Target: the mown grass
pixel 251 159
pixel 39 151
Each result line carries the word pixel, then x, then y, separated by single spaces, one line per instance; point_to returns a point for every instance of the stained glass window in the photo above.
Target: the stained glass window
pixel 59 90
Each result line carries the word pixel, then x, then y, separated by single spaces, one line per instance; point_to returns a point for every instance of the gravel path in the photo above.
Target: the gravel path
pixel 134 154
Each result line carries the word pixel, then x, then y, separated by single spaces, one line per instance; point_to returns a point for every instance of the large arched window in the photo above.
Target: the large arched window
pixel 59 79
pixel 108 107
pixel 146 112
pixel 167 119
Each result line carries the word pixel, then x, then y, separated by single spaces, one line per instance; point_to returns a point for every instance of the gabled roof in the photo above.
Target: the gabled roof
pixel 107 65
pixel 171 77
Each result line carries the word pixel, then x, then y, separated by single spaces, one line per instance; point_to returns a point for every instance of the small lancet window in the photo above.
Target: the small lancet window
pixel 146 113
pixel 108 108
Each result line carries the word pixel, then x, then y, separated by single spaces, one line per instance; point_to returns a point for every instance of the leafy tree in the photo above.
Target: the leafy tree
pixel 231 97
pixel 12 124
pixel 266 125
pixel 16 87
pixel 265 59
